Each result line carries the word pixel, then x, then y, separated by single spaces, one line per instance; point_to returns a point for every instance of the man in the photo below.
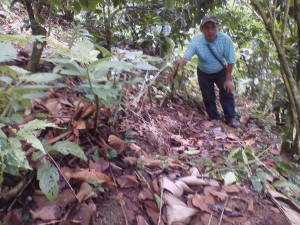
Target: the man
pixel 216 59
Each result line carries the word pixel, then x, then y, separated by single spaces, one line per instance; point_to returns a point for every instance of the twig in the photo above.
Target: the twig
pixel 59 137
pixel 160 205
pixel 211 215
pixel 62 175
pixel 123 211
pixel 225 204
pixel 19 194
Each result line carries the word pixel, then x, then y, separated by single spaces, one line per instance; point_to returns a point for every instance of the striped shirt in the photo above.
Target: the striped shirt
pixel 222 46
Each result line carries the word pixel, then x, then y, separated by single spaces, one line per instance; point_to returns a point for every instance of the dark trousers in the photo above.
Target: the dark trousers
pixel 206 83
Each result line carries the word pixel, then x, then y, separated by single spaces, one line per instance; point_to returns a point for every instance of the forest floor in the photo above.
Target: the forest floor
pixel 173 166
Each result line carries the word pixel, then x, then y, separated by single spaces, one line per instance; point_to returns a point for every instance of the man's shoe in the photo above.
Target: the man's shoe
pixel 234 123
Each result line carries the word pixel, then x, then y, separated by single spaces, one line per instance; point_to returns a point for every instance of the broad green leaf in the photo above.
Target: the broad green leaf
pixel 103 50
pixel 2 134
pixel 170 4
pixel 31 139
pixel 36 125
pixel 6 79
pixel 256 184
pixel 8 52
pixel 67 147
pixel 84 52
pixel 42 77
pixel 34 95
pixel 48 176
pixel 26 88
pixel 145 66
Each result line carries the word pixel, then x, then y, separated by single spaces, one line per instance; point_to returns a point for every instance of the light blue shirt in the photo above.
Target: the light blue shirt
pixel 222 46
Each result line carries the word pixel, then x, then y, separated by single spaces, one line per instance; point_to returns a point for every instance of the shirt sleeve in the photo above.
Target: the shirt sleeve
pixel 230 52
pixel 190 51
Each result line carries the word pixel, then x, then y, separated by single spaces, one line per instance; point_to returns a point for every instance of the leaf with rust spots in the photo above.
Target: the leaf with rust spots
pixel 128 181
pixel 84 175
pixel 117 143
pixel 199 201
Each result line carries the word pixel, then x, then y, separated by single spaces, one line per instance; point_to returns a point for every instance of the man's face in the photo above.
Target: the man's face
pixel 210 31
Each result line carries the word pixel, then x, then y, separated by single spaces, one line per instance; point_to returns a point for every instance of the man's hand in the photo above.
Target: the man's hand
pixel 228 86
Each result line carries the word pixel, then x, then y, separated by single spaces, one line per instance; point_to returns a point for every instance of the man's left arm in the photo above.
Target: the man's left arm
pixel 228 85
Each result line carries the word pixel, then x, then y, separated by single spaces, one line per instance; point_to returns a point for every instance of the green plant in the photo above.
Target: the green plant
pixel 12 156
pixel 47 173
pixel 19 85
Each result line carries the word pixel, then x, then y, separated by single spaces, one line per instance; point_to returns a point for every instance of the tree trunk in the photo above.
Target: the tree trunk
pixel 38 46
pixel 289 80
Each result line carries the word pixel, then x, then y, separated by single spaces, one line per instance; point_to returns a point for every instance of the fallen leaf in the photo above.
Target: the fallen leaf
pixel 219 134
pixel 145 194
pixel 274 151
pixel 289 208
pixel 208 124
pixel 130 160
pixel 245 119
pixel 53 106
pixel 134 147
pixel 85 192
pixel 79 125
pixel 199 202
pixel 84 213
pixel 249 142
pixel 152 211
pixel 13 217
pixel 231 188
pixel 85 175
pixel 47 213
pixel 141 220
pixel 177 211
pixel 233 137
pixel 128 181
pixel 100 165
pixel 208 219
pixel 88 111
pixel 250 206
pixel 167 184
pixel 221 195
pixel 194 181
pixel 117 143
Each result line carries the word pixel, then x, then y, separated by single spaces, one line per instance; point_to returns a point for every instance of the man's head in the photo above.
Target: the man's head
pixel 209 26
